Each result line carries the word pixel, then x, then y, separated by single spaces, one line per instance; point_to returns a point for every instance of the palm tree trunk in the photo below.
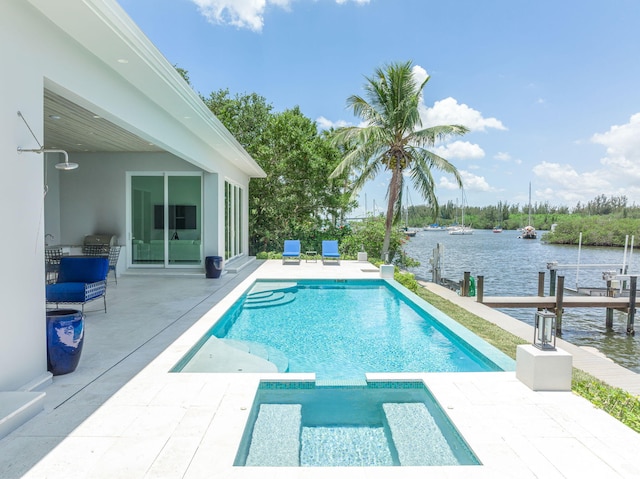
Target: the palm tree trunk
pixel 394 191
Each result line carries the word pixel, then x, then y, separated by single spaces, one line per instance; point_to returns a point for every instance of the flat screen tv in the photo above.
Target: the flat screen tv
pixel 181 217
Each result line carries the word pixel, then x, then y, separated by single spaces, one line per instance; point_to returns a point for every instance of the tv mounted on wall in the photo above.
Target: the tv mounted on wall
pixel 181 217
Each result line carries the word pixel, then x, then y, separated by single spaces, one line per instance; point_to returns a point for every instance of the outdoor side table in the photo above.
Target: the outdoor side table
pixel 311 253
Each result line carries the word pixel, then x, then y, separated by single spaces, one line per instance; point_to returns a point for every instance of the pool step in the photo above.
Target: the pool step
pixel 266 286
pixel 276 436
pixel 268 298
pixel 416 435
pixel 272 355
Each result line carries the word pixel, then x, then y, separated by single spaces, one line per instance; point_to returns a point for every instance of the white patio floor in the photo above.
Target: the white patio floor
pixel 121 414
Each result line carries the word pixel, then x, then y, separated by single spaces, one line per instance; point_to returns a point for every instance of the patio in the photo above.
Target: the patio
pixel 122 415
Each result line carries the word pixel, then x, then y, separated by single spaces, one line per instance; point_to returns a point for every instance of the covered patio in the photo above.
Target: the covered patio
pixel 156 170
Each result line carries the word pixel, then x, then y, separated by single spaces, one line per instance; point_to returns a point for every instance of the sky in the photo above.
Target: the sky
pixel 550 90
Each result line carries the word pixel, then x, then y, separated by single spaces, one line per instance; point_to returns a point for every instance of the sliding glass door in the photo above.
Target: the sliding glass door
pixel 166 219
pixel 233 221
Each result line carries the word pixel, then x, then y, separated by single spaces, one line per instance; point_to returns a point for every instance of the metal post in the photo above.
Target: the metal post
pixel 552 283
pixel 633 282
pixel 559 303
pixel 480 289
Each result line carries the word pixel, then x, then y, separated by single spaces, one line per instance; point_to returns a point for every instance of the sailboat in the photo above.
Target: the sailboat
pixel 408 231
pixel 498 227
pixel 529 232
pixel 462 229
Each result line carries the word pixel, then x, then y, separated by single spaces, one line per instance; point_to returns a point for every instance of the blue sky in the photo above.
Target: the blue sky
pixel 549 89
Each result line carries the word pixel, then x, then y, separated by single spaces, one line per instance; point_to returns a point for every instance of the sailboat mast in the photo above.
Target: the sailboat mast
pixel 529 203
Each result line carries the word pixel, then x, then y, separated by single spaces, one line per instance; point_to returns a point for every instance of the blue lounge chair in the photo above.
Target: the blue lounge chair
pixel 80 280
pixel 330 251
pixel 291 251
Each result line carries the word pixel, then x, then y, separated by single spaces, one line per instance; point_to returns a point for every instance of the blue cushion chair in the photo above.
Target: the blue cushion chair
pixel 330 251
pixel 80 280
pixel 291 251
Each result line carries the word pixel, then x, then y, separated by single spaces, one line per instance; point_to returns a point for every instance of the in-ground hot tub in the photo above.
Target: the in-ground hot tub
pixel 378 423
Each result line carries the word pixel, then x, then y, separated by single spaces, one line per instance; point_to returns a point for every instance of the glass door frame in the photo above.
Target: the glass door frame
pixel 167 231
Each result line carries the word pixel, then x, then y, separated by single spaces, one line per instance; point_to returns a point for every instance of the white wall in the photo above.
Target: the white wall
pixel 41 55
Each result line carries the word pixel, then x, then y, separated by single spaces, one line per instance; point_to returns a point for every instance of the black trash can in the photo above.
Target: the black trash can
pixel 213 266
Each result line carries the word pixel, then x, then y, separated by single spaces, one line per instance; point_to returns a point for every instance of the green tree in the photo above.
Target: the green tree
pixel 295 200
pixel 393 140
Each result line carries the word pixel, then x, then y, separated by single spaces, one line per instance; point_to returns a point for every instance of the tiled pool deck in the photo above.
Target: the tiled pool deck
pixel 122 415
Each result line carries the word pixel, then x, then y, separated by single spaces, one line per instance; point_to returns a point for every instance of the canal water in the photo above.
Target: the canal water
pixel 510 267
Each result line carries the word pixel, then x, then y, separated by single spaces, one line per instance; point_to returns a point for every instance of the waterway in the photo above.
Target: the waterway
pixel 510 267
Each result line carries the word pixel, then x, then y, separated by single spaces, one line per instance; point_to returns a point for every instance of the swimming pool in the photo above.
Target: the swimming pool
pixel 341 329
pixel 301 424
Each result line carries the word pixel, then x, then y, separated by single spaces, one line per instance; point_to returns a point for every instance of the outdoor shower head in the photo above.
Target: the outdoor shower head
pixel 65 165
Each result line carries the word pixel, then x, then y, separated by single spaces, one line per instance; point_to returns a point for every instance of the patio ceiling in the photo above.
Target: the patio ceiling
pixel 70 127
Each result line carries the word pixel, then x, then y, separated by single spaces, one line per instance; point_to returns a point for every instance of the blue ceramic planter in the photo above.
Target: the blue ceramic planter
pixel 65 335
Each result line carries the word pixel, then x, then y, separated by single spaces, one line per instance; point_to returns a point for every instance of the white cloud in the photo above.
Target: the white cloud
pixel 462 150
pixel 470 181
pixel 450 112
pixel 326 124
pixel 618 175
pixel 623 148
pixel 502 156
pixel 419 74
pixel 565 183
pixel 245 13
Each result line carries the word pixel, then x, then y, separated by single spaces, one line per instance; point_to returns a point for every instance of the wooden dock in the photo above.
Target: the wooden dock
pixel 551 302
pixel 559 302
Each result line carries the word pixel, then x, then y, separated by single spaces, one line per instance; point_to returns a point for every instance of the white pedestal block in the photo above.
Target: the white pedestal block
pixel 543 370
pixel 362 256
pixel 387 270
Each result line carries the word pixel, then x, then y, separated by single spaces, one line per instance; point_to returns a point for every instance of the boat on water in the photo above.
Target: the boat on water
pixel 497 229
pixel 461 229
pixel 434 227
pixel 529 232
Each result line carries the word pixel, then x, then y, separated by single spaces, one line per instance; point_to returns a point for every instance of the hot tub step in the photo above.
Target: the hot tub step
pixel 416 436
pixel 276 436
pixel 345 446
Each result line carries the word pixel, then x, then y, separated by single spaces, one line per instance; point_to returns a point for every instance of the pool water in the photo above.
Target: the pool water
pixel 299 423
pixel 343 329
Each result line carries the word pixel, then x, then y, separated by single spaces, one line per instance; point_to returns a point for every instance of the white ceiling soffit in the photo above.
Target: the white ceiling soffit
pixel 104 29
pixel 70 127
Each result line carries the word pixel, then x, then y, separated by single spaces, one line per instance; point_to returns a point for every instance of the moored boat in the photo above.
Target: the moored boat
pixel 529 232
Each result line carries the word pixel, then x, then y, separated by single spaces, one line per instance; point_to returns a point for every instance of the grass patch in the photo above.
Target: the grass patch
pixel 616 402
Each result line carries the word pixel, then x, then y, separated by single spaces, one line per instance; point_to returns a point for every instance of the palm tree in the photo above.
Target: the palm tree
pixel 393 139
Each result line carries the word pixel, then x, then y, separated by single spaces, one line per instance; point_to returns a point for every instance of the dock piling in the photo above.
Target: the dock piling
pixel 480 289
pixel 633 282
pixel 465 283
pixel 559 304
pixel 540 285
